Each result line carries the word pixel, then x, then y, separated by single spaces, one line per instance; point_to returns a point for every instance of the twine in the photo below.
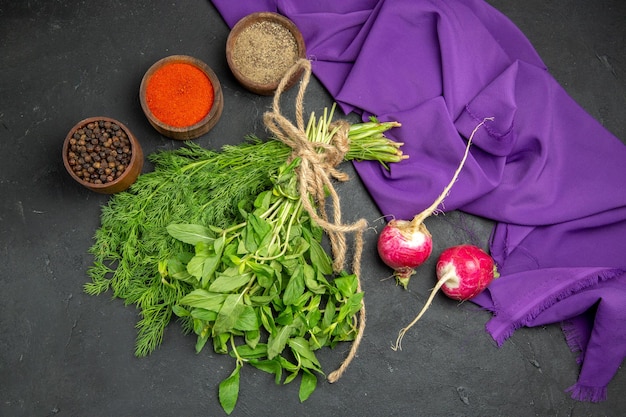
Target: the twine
pixel 315 173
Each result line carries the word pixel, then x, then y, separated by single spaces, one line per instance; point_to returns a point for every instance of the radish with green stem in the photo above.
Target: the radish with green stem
pixel 403 245
pixel 463 272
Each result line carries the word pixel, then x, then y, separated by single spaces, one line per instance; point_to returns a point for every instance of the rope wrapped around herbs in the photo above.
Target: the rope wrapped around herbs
pixel 316 173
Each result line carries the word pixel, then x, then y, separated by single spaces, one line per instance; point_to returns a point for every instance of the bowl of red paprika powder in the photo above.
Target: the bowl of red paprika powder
pixel 181 96
pixel 261 48
pixel 102 155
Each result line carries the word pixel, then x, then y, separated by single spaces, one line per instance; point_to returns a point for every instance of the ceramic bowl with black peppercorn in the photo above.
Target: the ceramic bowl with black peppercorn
pixel 103 155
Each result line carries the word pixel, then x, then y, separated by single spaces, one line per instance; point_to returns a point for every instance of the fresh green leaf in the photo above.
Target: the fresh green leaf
pixel 196 266
pixel 319 257
pixel 180 311
pixel 301 347
pixel 178 270
pixel 260 227
pixel 246 352
pixel 247 320
pixel 319 338
pixel 291 376
pixel 313 317
pixel 201 341
pixel 346 284
pixel 229 314
pixel 299 324
pixel 302 301
pixel 198 326
pixel 306 363
pixel 220 342
pixel 288 366
pixel 204 314
pixel 264 273
pixel 204 248
pixel 310 280
pixel 204 299
pixel 295 286
pixel 277 341
pixel 241 246
pixel 208 257
pixel 249 242
pixel 314 304
pixel 216 230
pixel 308 383
pixel 350 307
pixel 229 391
pixel 263 200
pixel 289 265
pixel 322 279
pixel 230 282
pixel 190 233
pixel 270 366
pixel 329 314
pixel 343 332
pixel 241 206
pixel 229 254
pixel 295 233
pixel 299 249
pixel 209 267
pixel 252 337
pixel 284 316
pixel 258 300
pixel 267 318
pixel 219 244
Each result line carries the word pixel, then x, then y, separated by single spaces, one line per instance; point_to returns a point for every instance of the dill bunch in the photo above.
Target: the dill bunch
pixel 190 184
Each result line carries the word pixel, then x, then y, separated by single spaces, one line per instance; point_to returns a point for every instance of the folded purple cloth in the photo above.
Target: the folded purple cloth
pixel 549 175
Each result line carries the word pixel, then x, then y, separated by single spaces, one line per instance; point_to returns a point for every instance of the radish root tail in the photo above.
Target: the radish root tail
pixel 418 219
pixel 434 291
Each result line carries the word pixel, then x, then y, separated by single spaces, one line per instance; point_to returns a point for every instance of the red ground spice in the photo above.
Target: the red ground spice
pixel 179 94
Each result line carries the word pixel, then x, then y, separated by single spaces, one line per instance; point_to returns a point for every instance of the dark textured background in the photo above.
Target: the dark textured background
pixel 65 353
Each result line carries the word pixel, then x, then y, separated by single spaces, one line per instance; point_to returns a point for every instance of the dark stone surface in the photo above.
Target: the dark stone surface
pixel 65 353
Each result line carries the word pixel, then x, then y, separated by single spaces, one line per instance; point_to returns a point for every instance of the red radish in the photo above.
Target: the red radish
pixel 463 272
pixel 404 245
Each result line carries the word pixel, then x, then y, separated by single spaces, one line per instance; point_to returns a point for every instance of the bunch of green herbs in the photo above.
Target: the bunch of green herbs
pixel 221 241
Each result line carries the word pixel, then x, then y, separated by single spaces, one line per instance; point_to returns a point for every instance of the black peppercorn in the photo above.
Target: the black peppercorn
pixel 99 152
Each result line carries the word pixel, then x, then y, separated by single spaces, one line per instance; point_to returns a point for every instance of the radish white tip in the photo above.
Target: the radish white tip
pixel 387 278
pixel 421 313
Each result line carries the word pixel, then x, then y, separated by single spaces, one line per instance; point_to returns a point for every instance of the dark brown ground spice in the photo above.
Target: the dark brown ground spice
pixel 99 152
pixel 264 51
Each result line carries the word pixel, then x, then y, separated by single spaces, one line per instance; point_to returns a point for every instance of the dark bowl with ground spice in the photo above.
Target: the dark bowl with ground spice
pixel 261 48
pixel 103 155
pixel 181 96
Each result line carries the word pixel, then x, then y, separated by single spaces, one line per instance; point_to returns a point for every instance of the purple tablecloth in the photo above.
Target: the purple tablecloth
pixel 551 176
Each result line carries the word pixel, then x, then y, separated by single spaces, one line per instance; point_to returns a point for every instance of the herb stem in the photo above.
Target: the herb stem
pixel 271 211
pixel 240 361
pixel 287 209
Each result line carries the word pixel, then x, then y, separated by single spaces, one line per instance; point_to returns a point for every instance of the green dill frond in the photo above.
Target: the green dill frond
pixel 151 327
pixel 99 281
